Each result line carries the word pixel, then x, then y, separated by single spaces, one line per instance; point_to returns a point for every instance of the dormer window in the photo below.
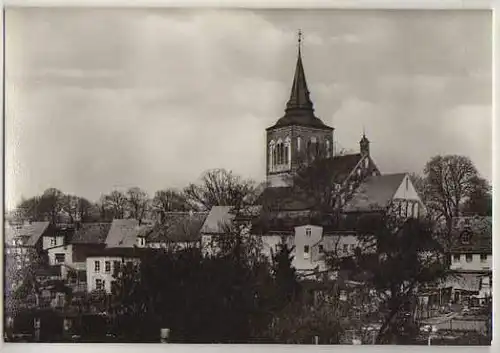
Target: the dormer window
pixel 308 232
pixel 465 237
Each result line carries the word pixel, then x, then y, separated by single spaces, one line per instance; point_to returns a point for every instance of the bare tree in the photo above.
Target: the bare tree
pixel 219 187
pixel 114 204
pixel 169 200
pixel 138 202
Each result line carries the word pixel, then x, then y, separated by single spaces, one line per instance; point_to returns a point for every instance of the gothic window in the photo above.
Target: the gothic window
pixel 415 210
pixel 271 154
pixel 287 151
pixel 367 162
pixel 299 140
pixel 358 171
pixel 327 147
pixel 279 153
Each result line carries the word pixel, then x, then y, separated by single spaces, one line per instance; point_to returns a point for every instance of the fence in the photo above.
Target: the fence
pixel 463 325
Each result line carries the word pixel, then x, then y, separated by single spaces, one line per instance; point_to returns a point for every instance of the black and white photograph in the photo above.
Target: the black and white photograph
pixel 248 176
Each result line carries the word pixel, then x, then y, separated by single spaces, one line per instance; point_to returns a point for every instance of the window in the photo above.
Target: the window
pixel 116 265
pixel 484 257
pixel 465 237
pixel 345 248
pixel 60 258
pixel 320 249
pixel 53 241
pixel 456 258
pixel 97 266
pixel 308 232
pixel 327 147
pixel 299 141
pixel 107 266
pixel 99 284
pixel 306 251
pixel 468 257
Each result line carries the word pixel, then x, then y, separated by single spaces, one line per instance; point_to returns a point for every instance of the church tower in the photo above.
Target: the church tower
pixel 299 136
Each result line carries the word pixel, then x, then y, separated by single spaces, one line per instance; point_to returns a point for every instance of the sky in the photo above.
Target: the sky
pixel 104 99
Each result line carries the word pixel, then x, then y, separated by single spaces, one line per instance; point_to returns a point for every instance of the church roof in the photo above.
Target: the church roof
pixel 299 109
pixel 375 193
pixel 337 168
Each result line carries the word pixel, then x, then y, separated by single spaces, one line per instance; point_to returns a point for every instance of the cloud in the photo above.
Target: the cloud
pixel 99 98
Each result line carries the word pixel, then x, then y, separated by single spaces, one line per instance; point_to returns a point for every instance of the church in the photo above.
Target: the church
pixel 309 186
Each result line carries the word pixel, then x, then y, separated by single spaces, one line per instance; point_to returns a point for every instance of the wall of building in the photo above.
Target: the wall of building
pixel 296 153
pixel 52 241
pixel 102 274
pixel 67 250
pixel 306 238
pixel 476 264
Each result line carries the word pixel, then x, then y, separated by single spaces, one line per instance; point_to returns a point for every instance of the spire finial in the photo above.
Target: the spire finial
pixel 364 135
pixel 300 38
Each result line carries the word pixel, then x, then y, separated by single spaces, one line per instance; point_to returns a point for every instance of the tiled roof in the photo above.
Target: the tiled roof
pixel 300 197
pixel 477 229
pixel 217 220
pixel 463 281
pixel 124 232
pixel 177 227
pixel 375 193
pixel 32 232
pixel 129 252
pixel 91 233
pixel 285 198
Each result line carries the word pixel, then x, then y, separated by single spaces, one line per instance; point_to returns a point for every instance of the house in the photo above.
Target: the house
pixel 101 265
pixel 471 259
pixel 177 229
pixel 23 244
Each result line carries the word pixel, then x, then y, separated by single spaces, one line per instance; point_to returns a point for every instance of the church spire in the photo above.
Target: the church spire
pixel 299 96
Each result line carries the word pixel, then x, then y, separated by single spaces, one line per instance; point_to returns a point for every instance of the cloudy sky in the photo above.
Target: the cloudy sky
pixel 104 99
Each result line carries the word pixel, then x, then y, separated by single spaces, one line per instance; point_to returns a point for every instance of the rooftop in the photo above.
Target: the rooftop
pixel 375 193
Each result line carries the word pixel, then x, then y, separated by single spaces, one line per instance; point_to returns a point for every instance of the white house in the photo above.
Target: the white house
pixel 101 265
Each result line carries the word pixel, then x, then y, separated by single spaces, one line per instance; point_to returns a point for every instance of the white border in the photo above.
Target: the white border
pixel 294 4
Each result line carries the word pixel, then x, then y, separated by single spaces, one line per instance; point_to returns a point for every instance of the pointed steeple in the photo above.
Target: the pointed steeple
pixel 299 95
pixel 299 108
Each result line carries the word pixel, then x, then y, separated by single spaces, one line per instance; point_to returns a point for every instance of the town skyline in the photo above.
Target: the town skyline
pixel 123 107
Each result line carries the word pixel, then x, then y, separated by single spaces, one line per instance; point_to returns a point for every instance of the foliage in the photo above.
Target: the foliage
pixel 407 256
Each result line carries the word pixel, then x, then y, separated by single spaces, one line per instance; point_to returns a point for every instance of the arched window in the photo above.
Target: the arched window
pixel 299 142
pixel 327 147
pixel 279 152
pixel 288 151
pixel 271 154
pixel 415 210
pixel 275 155
pixel 367 162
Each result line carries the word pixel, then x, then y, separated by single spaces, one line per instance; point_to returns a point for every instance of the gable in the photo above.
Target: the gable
pixel 375 193
pixel 406 190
